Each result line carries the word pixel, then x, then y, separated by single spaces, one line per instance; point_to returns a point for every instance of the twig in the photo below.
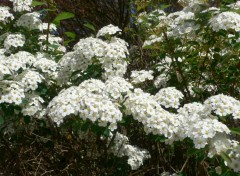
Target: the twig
pixel 184 165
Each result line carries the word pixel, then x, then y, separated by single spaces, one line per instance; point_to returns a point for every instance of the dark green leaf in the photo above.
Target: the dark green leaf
pixel 62 16
pixel 89 26
pixel 235 131
pixel 71 35
pixel 38 3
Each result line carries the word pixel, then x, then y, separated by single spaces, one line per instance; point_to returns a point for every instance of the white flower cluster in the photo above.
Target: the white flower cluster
pixel 21 5
pixel 33 107
pixel 89 101
pixel 141 76
pixel 225 21
pixel 150 18
pixel 145 109
pixel 161 80
pixel 199 125
pixel 14 40
pixel 108 30
pixel 117 87
pixel 235 156
pixel 169 97
pixel 223 105
pixel 4 70
pixel 30 21
pixel 22 60
pixel 219 144
pixel 235 5
pixel 30 79
pixel 5 16
pixel 182 24
pixel 152 40
pixel 12 92
pixel 45 64
pixel 54 43
pixel 24 80
pixel 121 147
pixel 110 54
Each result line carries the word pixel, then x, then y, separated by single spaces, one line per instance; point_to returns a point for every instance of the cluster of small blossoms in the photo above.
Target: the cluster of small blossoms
pixel 33 106
pixel 12 92
pixel 145 109
pixel 108 30
pixel 21 59
pixel 141 76
pixel 30 21
pixel 219 144
pixel 89 101
pixel 182 24
pixel 21 5
pixel 117 88
pixel 223 105
pixel 235 5
pixel 152 17
pixel 234 155
pixel 110 53
pixel 225 21
pixel 163 66
pixel 14 40
pixel 169 97
pixel 54 43
pixel 30 79
pixel 113 61
pixel 121 147
pixel 152 40
pixel 199 125
pixel 161 80
pixel 205 129
pixel 4 70
pixel 5 16
pixel 45 64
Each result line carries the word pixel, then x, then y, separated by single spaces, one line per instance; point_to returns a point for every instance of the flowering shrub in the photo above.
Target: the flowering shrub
pixel 185 101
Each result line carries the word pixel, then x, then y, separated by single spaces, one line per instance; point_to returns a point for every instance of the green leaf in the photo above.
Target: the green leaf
pixel 164 6
pixel 1 120
pixel 89 26
pixel 63 16
pixel 106 132
pixel 38 3
pixel 235 131
pixel 71 35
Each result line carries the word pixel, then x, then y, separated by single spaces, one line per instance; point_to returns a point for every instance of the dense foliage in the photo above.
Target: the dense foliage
pixel 165 103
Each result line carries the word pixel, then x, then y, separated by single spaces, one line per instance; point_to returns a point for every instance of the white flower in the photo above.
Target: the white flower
pixel 30 21
pixel 223 105
pixel 21 5
pixel 169 97
pixel 30 79
pixel 33 106
pixel 5 15
pixel 141 76
pixel 109 29
pixel 12 92
pixel 14 40
pixel 225 21
pixel 121 147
